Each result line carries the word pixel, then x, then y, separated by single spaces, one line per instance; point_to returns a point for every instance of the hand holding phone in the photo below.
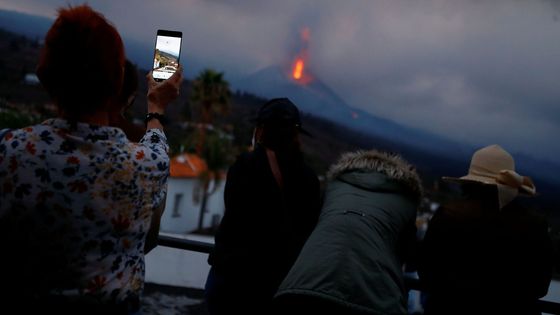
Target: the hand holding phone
pixel 160 94
pixel 166 54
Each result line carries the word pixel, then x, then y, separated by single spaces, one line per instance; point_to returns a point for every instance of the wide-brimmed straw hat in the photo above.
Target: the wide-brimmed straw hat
pixel 492 165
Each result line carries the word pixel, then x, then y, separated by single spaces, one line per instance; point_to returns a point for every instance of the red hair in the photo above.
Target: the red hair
pixel 81 64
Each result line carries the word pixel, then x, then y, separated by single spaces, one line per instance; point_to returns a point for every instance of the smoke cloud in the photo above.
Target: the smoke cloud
pixel 479 72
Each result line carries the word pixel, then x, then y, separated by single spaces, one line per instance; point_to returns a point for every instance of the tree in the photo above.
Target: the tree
pixel 210 95
pixel 218 155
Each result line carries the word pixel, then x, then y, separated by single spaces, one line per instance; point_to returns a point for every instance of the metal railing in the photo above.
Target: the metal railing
pixel 411 283
pixel 179 243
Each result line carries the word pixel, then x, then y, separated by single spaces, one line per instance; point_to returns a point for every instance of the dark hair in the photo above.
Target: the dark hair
pixel 130 82
pixel 284 141
pixel 279 138
pixel 81 63
pixel 480 191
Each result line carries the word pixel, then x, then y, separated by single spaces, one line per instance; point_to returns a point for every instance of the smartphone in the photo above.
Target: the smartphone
pixel 166 54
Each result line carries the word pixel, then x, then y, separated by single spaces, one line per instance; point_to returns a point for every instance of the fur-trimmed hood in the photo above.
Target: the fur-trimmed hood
pixel 391 165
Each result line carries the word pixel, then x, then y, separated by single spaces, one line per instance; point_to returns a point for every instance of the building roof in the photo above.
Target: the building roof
pixel 187 165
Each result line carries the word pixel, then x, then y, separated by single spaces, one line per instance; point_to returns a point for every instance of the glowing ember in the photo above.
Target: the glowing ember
pixel 298 69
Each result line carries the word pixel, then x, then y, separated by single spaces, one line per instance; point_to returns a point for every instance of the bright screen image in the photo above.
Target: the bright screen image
pixel 166 58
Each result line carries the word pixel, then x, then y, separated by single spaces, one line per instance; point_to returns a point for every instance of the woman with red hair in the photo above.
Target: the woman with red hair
pixel 80 204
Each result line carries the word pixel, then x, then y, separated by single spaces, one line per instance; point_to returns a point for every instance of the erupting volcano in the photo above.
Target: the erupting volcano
pixel 298 69
pixel 294 77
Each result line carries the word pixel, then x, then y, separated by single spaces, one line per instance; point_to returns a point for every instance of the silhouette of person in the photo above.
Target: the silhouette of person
pixel 484 253
pixel 352 263
pixel 272 201
pixel 80 204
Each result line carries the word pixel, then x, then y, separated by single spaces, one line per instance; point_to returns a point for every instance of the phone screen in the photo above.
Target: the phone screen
pixel 166 55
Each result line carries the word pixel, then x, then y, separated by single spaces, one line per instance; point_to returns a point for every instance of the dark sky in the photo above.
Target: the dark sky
pixel 481 72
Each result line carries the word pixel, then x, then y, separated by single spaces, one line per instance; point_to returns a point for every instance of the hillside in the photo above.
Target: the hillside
pixel 18 57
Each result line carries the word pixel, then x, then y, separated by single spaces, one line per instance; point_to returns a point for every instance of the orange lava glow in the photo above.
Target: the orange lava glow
pixel 298 69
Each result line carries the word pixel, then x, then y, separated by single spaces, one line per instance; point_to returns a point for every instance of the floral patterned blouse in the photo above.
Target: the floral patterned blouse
pixel 83 199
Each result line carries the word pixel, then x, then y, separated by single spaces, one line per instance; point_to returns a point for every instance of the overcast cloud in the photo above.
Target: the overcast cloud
pixel 475 71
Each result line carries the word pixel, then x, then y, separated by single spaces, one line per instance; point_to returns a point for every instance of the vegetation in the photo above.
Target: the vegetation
pixel 207 101
pixel 210 96
pixel 12 118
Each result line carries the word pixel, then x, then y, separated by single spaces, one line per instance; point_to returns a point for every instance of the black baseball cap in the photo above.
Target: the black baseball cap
pixel 280 111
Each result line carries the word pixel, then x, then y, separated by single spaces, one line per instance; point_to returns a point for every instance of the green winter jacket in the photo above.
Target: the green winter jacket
pixel 354 256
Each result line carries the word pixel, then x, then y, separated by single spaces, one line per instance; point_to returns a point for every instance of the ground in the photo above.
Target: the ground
pixel 170 300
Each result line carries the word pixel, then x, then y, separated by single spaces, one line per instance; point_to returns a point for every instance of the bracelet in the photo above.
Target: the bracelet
pixel 157 116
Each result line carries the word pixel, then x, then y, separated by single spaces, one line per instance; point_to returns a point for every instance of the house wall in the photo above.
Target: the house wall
pixel 182 213
pixel 215 208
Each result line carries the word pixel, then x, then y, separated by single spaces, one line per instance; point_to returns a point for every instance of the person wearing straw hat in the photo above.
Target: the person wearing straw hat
pixel 484 253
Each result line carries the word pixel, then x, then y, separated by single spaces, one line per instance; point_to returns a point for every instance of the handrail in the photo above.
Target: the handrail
pixel 180 243
pixel 410 283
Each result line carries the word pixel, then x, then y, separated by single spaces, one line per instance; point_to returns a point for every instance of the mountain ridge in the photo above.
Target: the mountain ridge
pixel 320 100
pixel 35 27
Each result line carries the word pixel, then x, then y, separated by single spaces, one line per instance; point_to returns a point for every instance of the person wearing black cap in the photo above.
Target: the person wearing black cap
pixel 272 201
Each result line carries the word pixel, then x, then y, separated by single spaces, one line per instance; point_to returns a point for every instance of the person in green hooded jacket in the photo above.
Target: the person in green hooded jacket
pixel 352 263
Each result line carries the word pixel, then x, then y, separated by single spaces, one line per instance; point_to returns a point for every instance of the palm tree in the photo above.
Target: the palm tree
pixel 218 155
pixel 211 94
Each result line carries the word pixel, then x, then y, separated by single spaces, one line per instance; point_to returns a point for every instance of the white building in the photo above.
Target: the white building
pixel 182 209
